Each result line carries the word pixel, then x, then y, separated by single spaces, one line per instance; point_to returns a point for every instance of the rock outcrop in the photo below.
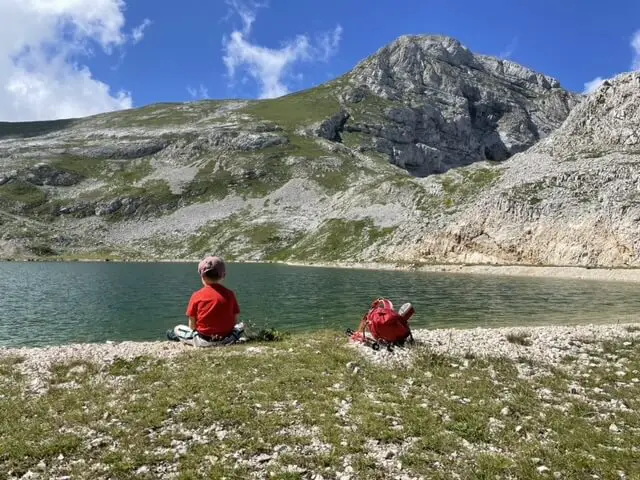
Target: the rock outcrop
pixel 573 199
pixel 43 174
pixel 609 122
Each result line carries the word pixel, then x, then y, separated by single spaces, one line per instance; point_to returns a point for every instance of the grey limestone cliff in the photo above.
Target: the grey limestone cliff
pixel 572 199
pixel 448 107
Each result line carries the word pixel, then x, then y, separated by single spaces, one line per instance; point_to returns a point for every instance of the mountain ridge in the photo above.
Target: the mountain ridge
pixel 334 173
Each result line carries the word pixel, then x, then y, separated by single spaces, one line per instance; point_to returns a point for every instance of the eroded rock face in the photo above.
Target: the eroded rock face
pixel 121 151
pixel 244 141
pixel 80 210
pixel 109 208
pixel 573 199
pixel 6 178
pixel 608 122
pixel 449 107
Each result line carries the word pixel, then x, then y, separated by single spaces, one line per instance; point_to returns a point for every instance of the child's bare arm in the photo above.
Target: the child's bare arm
pixel 192 323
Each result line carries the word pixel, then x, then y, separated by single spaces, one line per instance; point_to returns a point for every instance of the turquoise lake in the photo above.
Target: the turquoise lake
pixel 57 303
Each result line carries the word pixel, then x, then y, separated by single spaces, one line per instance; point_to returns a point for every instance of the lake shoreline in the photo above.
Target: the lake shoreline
pixel 548 341
pixel 566 272
pixel 608 274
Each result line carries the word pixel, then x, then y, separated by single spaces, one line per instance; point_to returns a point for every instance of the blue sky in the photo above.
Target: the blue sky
pixel 100 55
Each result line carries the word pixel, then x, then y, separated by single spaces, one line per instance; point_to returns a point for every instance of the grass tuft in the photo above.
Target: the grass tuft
pixel 519 338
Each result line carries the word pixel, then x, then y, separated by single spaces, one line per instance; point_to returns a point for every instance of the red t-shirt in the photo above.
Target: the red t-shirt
pixel 215 308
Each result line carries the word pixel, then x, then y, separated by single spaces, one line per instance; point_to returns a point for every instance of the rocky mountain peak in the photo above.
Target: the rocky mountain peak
pixel 422 60
pixel 444 106
pixel 407 51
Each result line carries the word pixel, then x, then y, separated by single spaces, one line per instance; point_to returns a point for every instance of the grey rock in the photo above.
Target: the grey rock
pixel 130 205
pixel 109 208
pixel 44 174
pixel 332 128
pixel 81 210
pixel 142 470
pixel 263 458
pixel 606 123
pixel 243 140
pixel 258 141
pixel 457 107
pixel 124 151
pixel 425 103
pixel 126 206
pixel 569 200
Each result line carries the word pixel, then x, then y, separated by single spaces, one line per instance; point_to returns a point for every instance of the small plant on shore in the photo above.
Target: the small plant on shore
pixel 519 338
pixel 270 335
pixel 264 334
pixel 633 328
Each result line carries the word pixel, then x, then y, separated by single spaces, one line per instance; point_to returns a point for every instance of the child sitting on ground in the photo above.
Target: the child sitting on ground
pixel 213 310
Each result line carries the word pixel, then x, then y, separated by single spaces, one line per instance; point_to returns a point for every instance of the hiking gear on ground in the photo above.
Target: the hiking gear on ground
pixel 384 325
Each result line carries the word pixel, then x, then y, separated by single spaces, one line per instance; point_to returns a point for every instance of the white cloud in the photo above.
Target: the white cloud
pixel 138 33
pixel 509 49
pixel 593 85
pixel 329 43
pixel 271 66
pixel 635 45
pixel 246 12
pixel 198 93
pixel 41 42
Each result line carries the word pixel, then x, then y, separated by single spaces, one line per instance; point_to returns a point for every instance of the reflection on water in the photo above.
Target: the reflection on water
pixel 52 303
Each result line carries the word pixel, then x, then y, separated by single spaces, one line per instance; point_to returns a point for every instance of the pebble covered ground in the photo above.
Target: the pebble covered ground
pixel 512 403
pixel 547 344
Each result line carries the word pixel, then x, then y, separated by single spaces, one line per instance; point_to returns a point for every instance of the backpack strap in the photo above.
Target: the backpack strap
pixel 382 303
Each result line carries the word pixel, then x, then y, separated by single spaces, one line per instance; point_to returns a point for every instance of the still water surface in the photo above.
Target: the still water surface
pixel 56 303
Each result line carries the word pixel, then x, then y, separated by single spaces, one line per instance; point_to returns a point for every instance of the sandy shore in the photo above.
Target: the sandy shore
pixel 577 273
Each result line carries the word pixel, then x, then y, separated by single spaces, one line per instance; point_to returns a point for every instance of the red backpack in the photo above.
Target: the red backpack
pixel 385 324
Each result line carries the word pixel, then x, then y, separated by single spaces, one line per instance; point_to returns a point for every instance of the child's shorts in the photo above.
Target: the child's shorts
pixel 184 334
